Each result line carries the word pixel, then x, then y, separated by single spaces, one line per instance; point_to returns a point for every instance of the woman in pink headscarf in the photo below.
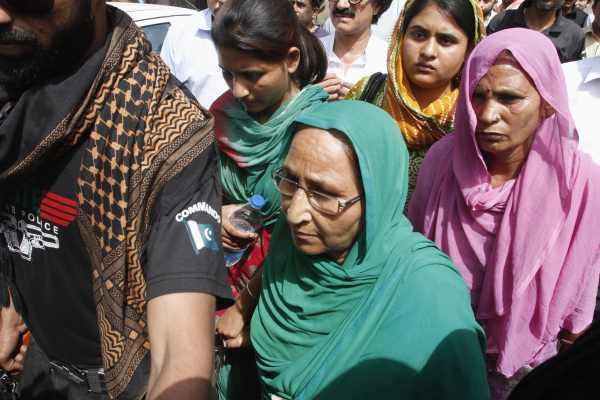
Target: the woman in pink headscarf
pixel 515 205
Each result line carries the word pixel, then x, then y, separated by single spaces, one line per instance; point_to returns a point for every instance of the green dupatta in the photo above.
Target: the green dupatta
pixel 394 321
pixel 250 151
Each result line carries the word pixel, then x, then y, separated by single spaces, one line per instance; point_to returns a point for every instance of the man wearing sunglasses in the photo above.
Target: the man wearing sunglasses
pixel 352 50
pixel 109 240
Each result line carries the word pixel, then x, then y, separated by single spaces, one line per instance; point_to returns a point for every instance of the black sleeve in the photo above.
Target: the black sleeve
pixel 495 23
pixel 578 46
pixel 184 253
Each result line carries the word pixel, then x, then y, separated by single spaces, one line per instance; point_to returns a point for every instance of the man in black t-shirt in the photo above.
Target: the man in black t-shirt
pixel 109 210
pixel 575 14
pixel 544 16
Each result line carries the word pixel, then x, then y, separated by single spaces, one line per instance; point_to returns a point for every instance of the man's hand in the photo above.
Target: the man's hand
pixel 12 327
pixel 332 85
pixel 182 331
pixel 345 89
pixel 234 325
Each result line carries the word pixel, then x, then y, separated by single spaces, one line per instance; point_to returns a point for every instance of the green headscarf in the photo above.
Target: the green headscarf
pixel 251 150
pixel 394 320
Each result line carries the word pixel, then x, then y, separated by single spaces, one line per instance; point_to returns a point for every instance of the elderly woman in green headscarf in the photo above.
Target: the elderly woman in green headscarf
pixel 353 302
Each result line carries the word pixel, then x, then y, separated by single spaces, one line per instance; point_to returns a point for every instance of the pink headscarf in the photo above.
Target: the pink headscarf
pixel 528 250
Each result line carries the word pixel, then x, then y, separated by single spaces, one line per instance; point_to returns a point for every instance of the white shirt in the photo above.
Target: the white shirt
pixel 373 60
pixel 583 86
pixel 384 27
pixel 192 57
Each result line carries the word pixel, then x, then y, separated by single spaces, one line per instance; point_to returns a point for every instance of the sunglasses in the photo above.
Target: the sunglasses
pixel 37 7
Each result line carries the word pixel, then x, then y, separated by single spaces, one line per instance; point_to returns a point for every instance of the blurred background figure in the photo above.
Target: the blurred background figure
pixel 592 32
pixel 192 57
pixel 544 16
pixel 575 14
pixel 487 6
pixel 308 12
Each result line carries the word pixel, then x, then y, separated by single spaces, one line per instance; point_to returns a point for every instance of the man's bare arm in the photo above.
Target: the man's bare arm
pixel 181 328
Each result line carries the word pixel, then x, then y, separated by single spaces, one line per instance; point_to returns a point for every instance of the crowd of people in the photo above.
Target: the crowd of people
pixel 431 174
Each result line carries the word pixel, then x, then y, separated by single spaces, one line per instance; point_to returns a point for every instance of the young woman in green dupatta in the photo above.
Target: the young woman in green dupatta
pixel 431 41
pixel 353 302
pixel 270 63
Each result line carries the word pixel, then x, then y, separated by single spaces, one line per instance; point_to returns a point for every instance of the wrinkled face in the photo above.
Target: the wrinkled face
pixel 509 109
pixel 259 85
pixel 548 5
pixel 487 6
pixel 304 11
pixel 332 171
pixel 433 49
pixel 35 46
pixel 350 19
pixel 214 5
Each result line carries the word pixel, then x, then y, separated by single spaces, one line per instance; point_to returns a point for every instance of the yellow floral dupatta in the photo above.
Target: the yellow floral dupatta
pixel 420 127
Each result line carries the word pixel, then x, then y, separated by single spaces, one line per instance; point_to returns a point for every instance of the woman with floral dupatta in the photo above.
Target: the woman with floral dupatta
pixel 431 41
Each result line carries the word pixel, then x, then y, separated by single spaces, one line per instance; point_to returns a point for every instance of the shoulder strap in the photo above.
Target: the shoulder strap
pixel 373 87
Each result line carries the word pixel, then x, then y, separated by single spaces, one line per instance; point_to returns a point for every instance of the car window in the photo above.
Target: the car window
pixel 156 34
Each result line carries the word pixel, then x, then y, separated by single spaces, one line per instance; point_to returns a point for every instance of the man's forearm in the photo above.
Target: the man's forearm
pixel 181 327
pixel 173 381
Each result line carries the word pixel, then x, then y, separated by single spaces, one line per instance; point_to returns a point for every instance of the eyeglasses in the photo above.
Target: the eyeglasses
pixel 352 2
pixel 28 6
pixel 321 202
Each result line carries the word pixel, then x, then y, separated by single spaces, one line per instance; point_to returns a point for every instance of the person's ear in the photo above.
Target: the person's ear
pixel 292 60
pixel 546 111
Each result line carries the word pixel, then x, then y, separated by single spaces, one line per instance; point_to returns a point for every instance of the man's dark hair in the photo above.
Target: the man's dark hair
pixel 383 6
pixel 317 4
pixel 267 29
pixel 460 10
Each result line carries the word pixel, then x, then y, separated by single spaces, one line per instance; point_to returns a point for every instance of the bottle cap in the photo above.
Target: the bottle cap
pixel 257 202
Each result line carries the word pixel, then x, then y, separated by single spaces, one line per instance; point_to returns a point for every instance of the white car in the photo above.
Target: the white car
pixel 155 20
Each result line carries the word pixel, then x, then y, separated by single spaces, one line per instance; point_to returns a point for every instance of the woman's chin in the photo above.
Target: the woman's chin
pixel 307 245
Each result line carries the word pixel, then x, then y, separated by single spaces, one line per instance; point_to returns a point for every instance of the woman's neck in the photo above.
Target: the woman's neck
pixel 539 20
pixel 427 96
pixel 503 167
pixel 267 113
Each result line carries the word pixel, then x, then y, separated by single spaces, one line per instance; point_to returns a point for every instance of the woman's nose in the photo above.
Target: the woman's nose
pixel 298 209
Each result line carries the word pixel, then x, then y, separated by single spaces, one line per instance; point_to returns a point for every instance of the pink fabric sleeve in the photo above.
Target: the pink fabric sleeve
pixel 583 314
pixel 418 202
pixel 438 158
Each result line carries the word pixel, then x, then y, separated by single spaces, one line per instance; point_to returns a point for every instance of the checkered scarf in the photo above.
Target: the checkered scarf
pixel 140 130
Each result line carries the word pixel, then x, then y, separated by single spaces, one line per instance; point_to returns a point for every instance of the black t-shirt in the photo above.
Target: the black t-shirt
pixel 567 37
pixel 53 271
pixel 578 16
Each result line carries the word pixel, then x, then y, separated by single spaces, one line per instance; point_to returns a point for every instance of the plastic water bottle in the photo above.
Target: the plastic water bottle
pixel 248 219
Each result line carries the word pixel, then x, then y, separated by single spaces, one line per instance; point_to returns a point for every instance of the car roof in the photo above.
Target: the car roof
pixel 140 12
